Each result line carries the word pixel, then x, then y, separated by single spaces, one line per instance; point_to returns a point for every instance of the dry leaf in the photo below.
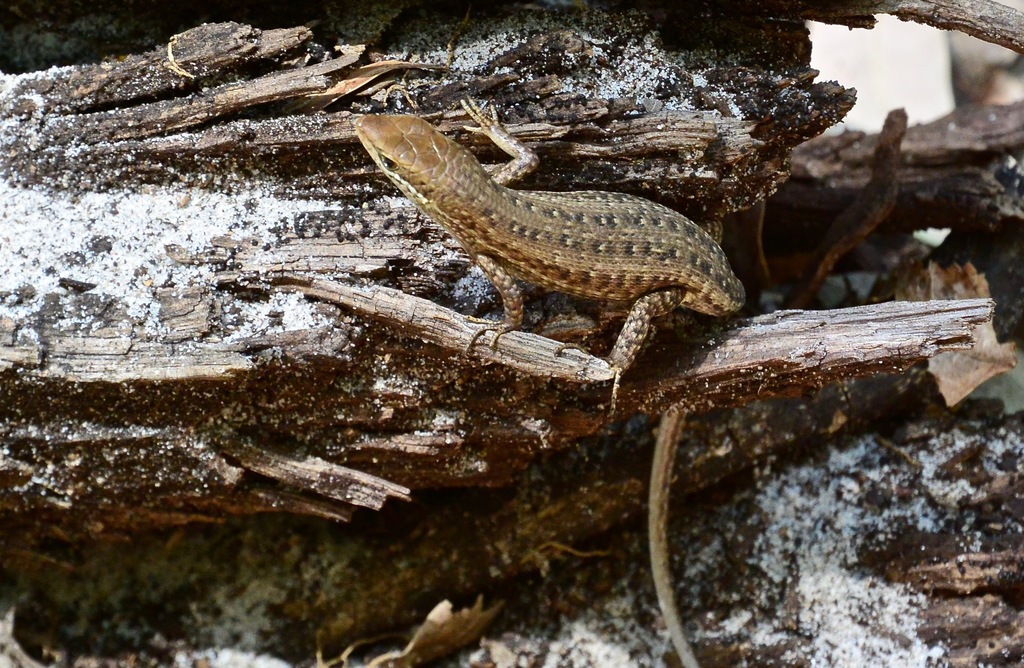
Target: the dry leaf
pixel 441 633
pixel 358 79
pixel 958 373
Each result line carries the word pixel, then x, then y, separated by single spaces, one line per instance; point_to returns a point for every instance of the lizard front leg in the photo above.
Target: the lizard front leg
pixel 524 160
pixel 511 299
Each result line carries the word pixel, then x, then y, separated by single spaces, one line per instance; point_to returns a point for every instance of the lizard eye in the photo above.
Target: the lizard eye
pixel 387 162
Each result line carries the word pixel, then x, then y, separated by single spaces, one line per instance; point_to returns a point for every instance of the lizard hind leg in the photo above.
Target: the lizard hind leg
pixel 635 330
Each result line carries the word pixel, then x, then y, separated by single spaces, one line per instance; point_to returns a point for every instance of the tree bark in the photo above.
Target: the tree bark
pixel 227 334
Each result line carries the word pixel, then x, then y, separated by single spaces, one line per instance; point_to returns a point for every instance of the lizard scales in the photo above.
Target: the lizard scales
pixel 591 244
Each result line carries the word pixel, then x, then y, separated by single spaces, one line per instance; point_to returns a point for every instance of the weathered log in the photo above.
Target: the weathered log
pixel 851 518
pixel 289 338
pixel 204 342
pixel 211 432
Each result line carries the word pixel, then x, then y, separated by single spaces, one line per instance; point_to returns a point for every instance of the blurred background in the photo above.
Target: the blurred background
pixel 938 71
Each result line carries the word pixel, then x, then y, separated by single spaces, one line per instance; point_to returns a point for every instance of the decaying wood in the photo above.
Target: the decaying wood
pixel 722 171
pixel 956 172
pixel 117 128
pixel 112 428
pixel 582 494
pixel 866 213
pixel 987 20
pixel 202 450
pixel 971 583
pixel 525 352
pixel 195 54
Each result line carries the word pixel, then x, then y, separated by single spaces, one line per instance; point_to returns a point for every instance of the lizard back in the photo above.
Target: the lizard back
pixel 592 244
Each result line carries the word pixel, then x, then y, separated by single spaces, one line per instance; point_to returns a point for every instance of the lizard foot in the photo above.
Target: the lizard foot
pixel 484 120
pixel 570 346
pixel 499 331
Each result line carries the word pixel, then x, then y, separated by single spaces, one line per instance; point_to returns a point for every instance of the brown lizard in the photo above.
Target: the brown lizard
pixel 591 244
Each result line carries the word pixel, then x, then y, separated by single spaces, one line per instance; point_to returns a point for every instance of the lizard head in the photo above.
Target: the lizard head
pixel 409 151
